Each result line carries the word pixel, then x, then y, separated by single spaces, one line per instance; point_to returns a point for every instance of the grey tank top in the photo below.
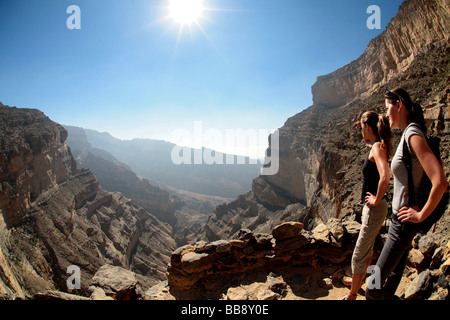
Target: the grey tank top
pixel 400 174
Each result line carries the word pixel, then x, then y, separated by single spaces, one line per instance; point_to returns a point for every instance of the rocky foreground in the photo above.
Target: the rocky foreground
pixel 290 237
pixel 289 264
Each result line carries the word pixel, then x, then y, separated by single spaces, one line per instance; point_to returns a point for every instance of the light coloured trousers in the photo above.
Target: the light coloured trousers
pixel 371 222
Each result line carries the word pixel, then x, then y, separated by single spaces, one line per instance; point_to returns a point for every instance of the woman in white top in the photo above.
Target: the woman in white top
pixel 407 116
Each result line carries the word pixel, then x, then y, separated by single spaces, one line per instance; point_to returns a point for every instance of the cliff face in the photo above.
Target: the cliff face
pixel 417 24
pixel 321 152
pixel 321 156
pixel 30 146
pixel 54 215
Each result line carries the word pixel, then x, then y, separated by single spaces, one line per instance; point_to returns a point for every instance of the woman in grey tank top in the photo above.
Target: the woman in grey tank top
pixel 407 116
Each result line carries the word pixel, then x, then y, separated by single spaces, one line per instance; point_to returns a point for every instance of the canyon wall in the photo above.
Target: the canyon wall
pixel 322 152
pixel 417 24
pixel 321 156
pixel 54 215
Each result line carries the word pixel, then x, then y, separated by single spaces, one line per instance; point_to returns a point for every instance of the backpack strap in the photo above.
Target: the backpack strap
pixel 431 220
pixel 407 161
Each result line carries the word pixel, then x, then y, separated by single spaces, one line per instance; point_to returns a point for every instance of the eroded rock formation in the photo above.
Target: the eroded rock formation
pixel 321 151
pixel 54 216
pixel 417 24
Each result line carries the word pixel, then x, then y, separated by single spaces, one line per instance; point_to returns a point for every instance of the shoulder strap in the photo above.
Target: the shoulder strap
pixel 413 124
pixel 406 158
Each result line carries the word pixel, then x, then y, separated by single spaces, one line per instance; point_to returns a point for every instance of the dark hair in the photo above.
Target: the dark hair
pixel 415 112
pixel 380 127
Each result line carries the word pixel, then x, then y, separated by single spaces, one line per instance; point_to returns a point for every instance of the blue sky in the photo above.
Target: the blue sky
pixel 131 72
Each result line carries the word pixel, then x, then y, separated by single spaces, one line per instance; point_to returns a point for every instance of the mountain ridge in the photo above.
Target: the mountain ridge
pixel 388 54
pixel 152 159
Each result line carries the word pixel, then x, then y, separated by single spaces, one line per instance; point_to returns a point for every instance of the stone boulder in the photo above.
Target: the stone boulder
pixel 116 282
pixel 287 230
pixel 421 287
pixel 322 233
pixel 206 265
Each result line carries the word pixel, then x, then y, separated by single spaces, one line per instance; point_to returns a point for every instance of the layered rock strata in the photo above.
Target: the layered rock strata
pixel 322 152
pixel 54 216
pixel 417 24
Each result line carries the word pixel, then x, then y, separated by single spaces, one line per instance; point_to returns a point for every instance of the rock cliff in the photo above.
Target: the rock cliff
pixel 321 151
pixel 417 24
pixel 33 160
pixel 54 215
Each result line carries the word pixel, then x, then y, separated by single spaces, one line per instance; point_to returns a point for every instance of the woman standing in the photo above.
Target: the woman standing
pixel 377 134
pixel 407 116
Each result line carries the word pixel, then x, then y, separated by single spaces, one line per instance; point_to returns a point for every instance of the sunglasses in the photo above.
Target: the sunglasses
pixel 390 93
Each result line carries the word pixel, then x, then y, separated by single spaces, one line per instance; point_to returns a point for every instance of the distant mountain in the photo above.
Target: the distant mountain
pixel 116 176
pixel 152 159
pixel 185 211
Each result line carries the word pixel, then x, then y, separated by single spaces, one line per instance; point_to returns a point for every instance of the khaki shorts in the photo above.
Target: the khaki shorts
pixel 371 222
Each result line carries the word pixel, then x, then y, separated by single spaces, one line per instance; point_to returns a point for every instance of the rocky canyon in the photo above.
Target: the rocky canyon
pixel 290 237
pixel 55 216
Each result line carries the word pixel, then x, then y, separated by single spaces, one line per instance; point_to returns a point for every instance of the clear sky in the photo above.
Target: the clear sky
pixel 134 70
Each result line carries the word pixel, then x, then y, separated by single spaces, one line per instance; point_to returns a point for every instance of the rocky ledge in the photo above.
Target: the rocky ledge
pixel 109 283
pixel 293 263
pixel 207 268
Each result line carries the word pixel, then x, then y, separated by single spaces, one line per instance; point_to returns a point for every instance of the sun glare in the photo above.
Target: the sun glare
pixel 186 12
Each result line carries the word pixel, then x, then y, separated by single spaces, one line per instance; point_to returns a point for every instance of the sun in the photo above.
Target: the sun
pixel 186 12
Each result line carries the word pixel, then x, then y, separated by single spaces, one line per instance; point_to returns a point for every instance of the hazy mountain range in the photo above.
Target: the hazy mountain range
pixel 152 159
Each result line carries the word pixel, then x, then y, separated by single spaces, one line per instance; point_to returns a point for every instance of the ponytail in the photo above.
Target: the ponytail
pixel 385 134
pixel 416 115
pixel 380 126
